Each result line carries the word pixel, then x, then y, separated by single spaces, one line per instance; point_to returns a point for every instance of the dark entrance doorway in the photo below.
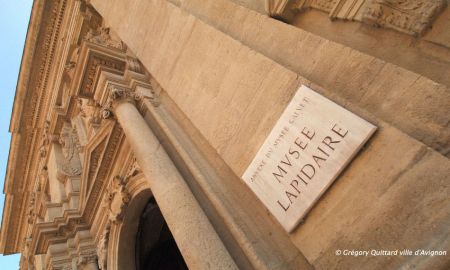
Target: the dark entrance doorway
pixel 155 247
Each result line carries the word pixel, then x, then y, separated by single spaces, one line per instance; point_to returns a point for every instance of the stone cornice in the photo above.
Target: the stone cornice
pixel 68 59
pixel 41 40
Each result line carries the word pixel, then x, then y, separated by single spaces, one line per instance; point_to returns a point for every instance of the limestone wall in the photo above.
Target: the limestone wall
pixel 231 71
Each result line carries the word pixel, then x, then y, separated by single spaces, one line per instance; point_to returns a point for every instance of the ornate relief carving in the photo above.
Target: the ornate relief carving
pixel 116 94
pixel 324 5
pixel 117 199
pixel 135 65
pixel 46 139
pixel 94 162
pixel 104 37
pixel 90 111
pixel 134 169
pixel 87 258
pixel 28 255
pixel 91 17
pixel 102 248
pixel 408 16
pixel 44 186
pixel 121 94
pixel 69 164
pixel 32 208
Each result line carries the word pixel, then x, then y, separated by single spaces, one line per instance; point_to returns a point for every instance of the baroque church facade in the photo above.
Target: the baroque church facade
pixel 134 121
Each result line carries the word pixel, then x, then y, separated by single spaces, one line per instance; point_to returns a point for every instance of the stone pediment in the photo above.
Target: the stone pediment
pixel 99 156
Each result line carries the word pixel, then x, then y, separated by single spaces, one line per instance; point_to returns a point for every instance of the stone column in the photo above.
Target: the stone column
pixel 195 236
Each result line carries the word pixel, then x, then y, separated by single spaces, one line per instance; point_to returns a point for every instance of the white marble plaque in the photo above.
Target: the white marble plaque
pixel 311 143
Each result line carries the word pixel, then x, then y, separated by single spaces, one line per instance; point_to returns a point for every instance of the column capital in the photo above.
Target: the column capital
pixel 118 94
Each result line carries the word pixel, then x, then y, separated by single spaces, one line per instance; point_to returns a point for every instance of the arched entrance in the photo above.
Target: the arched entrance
pixel 155 247
pixel 143 240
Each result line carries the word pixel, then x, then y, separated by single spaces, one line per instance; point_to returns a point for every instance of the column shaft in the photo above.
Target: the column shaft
pixel 195 236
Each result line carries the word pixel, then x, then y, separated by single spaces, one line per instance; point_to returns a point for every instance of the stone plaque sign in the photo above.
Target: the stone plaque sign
pixel 311 143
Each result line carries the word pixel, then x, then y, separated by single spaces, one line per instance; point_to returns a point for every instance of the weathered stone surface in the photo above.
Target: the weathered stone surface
pixel 211 79
pixel 234 112
pixel 349 72
pixel 393 187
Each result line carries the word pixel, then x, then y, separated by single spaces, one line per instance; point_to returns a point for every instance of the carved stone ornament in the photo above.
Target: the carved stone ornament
pixel 87 258
pixel 324 5
pixel 102 248
pixel 68 163
pixel 104 37
pixel 118 94
pixel 46 139
pixel 28 255
pixel 412 17
pixel 32 208
pixel 135 65
pixel 117 199
pixel 90 111
pixel 134 169
pixel 408 16
pixel 44 186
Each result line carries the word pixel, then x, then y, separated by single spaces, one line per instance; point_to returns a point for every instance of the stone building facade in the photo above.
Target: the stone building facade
pixel 133 122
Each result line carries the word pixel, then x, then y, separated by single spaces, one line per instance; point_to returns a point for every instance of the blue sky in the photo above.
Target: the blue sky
pixel 14 17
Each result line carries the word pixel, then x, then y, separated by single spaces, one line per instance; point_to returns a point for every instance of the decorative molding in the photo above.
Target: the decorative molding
pixel 114 137
pixel 94 65
pixel 412 17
